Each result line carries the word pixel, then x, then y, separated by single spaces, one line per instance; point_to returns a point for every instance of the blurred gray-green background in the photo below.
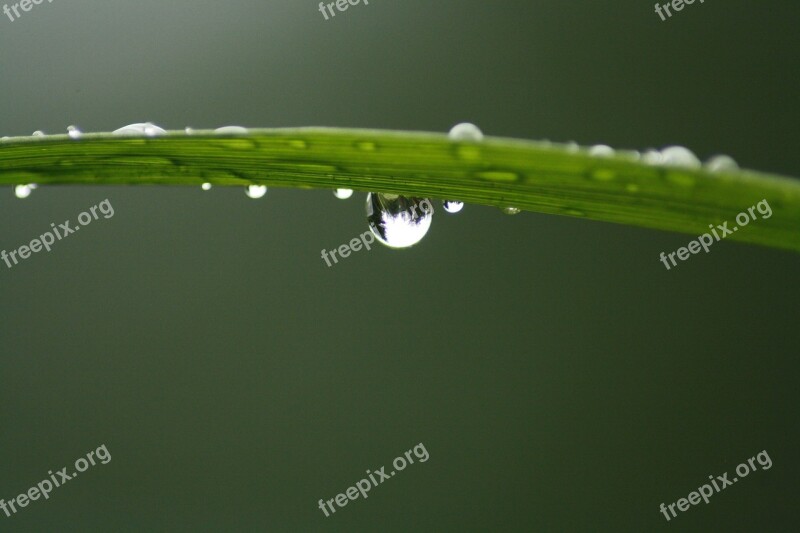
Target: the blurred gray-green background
pixel 560 378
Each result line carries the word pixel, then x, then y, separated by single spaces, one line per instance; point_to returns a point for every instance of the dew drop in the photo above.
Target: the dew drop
pixel 74 133
pixel 465 132
pixel 398 221
pixel 189 131
pixel 206 186
pixel 652 157
pixel 256 191
pixel 38 133
pixel 232 130
pixel 146 129
pixel 452 206
pixel 23 191
pixel 721 163
pixel 511 210
pixel 343 194
pixel 601 150
pixel 678 156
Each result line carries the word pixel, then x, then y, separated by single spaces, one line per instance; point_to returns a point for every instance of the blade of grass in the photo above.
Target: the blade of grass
pixel 533 176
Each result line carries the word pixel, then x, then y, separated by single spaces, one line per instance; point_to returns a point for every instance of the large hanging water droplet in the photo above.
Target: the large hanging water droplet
pixel 721 163
pixel 678 156
pixel 73 132
pixel 256 191
pixel 146 129
pixel 343 194
pixel 398 221
pixel 23 191
pixel 465 132
pixel 452 206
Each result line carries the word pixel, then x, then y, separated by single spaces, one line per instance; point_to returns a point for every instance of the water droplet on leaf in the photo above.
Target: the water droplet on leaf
pixel 146 129
pixel 398 221
pixel 73 132
pixel 206 186
pixel 452 206
pixel 23 191
pixel 256 191
pixel 343 194
pixel 601 150
pixel 679 156
pixel 511 210
pixel 721 163
pixel 232 130
pixel 465 132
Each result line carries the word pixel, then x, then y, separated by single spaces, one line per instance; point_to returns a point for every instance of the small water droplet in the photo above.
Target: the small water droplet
pixel 452 206
pixel 601 150
pixel 206 186
pixel 572 147
pixel 511 210
pixel 38 133
pixel 398 221
pixel 139 129
pixel 189 131
pixel 679 156
pixel 23 191
pixel 465 132
pixel 721 163
pixel 73 132
pixel 232 130
pixel 256 191
pixel 652 157
pixel 343 194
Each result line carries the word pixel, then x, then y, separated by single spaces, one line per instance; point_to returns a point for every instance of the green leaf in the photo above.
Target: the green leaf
pixel 533 176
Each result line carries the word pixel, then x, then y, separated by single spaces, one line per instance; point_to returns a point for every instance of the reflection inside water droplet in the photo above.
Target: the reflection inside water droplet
pixel 343 194
pixel 256 191
pixel 398 221
pixel 452 206
pixel 23 191
pixel 465 132
pixel 146 129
